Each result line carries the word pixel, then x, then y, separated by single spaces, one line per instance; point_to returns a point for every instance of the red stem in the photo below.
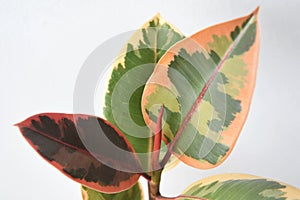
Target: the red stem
pixel 157 140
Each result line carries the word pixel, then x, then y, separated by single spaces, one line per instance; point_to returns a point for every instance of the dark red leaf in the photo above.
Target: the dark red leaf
pixel 85 148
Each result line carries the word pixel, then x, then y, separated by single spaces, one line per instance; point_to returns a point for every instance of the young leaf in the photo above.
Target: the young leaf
pixel 134 193
pixel 205 83
pixel 80 146
pixel 129 75
pixel 241 186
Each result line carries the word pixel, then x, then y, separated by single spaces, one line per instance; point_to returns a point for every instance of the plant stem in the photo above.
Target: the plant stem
pixel 157 141
pixel 153 185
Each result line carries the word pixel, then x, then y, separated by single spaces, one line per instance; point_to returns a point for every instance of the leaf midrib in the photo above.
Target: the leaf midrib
pixel 80 150
pixel 85 151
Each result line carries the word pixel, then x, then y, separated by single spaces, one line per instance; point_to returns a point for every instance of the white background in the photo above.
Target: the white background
pixel 44 43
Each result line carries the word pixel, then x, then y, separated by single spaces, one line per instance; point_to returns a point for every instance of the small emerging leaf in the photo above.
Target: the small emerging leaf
pixel 241 187
pixel 133 193
pixel 205 83
pixel 63 139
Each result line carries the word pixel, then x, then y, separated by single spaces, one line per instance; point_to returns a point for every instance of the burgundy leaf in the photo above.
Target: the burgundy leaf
pixel 85 148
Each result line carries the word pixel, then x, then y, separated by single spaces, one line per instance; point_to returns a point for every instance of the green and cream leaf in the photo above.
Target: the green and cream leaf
pixel 129 74
pixel 205 82
pixel 241 186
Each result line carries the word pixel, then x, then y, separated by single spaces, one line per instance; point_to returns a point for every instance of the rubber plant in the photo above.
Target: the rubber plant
pixel 187 97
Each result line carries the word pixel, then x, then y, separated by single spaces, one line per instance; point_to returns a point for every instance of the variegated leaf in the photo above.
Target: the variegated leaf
pixel 240 187
pixel 82 148
pixel 205 83
pixel 130 72
pixel 133 193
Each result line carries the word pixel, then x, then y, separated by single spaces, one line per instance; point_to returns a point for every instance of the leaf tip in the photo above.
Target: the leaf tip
pixel 22 123
pixel 18 124
pixel 157 15
pixel 255 12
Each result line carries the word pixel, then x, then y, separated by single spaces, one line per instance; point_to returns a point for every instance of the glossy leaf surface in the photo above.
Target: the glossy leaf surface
pixel 130 72
pixel 241 186
pixel 205 83
pixel 81 147
pixel 133 193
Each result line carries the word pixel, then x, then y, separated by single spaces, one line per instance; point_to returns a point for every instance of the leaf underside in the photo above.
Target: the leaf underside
pixel 205 83
pixel 78 146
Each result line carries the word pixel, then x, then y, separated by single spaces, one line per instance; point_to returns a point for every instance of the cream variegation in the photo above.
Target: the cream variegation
pixel 130 71
pixel 241 186
pixel 206 83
